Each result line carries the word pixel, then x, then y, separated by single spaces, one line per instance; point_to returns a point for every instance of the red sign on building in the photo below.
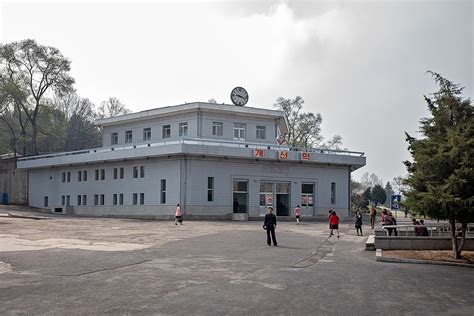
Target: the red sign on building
pixel 258 153
pixel 283 154
pixel 305 156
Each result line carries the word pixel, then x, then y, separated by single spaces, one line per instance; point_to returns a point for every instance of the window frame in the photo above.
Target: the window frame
pixel 240 128
pixel 166 131
pixel 114 138
pixel 163 191
pixel 128 136
pixel 216 127
pixel 146 134
pixel 183 129
pixel 333 192
pixel 210 189
pixel 263 130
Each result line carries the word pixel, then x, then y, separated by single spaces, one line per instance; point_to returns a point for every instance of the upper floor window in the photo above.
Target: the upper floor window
pixel 128 136
pixel 147 133
pixel 261 132
pixel 183 129
pixel 217 128
pixel 114 139
pixel 239 131
pixel 166 131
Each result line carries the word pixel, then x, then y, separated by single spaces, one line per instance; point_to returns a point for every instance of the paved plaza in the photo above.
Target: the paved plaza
pixel 66 265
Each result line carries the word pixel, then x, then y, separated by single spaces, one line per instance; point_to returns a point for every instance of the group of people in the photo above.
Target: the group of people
pixel 422 230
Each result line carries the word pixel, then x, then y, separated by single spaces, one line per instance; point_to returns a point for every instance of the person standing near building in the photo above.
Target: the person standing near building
pixel 269 225
pixel 298 214
pixel 178 216
pixel 358 222
pixel 334 223
pixel 373 214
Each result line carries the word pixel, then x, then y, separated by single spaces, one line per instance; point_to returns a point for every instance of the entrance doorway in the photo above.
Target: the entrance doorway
pixel 276 195
pixel 240 196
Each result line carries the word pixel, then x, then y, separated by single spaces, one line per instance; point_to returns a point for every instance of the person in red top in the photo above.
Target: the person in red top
pixel 334 223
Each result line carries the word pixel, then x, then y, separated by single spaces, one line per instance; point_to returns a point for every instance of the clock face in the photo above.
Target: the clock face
pixel 239 96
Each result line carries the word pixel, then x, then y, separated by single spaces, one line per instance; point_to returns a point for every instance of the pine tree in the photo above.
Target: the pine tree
pixel 441 176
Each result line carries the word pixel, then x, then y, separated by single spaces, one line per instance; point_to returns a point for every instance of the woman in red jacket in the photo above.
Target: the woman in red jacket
pixel 334 223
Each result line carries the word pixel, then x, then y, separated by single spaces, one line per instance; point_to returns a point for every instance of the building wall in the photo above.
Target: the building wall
pixel 13 181
pixel 199 126
pixel 48 182
pixel 186 181
pixel 156 126
pixel 225 171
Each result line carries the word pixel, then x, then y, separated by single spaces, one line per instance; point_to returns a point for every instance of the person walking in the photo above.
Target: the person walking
pixel 334 223
pixel 178 216
pixel 298 214
pixel 373 214
pixel 358 222
pixel 269 224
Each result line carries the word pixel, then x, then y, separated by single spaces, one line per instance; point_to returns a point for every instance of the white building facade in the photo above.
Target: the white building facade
pixel 218 161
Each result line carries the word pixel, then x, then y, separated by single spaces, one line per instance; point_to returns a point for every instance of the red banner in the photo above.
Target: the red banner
pixel 258 153
pixel 283 154
pixel 305 156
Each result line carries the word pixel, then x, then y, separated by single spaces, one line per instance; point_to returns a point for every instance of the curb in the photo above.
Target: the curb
pixel 27 217
pixel 379 257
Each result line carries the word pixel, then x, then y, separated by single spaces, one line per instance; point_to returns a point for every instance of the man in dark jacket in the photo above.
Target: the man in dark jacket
pixel 269 225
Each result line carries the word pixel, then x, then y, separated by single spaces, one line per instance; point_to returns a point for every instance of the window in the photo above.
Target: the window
pixel 84 199
pixel 142 198
pixel 84 175
pixel 68 176
pixel 64 176
pixel 128 136
pixel 135 198
pixel 63 200
pixel 142 172
pixel 261 132
pixel 239 131
pixel 307 194
pixel 96 199
pixel 79 176
pixel 115 173
pixel 79 200
pixel 45 201
pixel 183 129
pixel 163 191
pixel 114 138
pixel 68 200
pixel 166 131
pixel 121 173
pixel 147 133
pixel 102 199
pixel 114 199
pixel 121 199
pixel 102 174
pixel 210 189
pixel 217 128
pixel 135 172
pixel 333 192
pixel 96 174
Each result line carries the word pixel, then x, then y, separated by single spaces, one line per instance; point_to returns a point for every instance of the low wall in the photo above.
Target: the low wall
pixel 418 243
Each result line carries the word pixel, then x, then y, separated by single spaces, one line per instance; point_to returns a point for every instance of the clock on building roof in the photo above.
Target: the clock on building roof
pixel 239 96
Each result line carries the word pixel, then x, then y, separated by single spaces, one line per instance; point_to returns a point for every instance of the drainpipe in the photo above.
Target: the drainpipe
pixel 349 190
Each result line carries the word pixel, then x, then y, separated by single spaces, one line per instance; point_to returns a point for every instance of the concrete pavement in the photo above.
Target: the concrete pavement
pixel 118 266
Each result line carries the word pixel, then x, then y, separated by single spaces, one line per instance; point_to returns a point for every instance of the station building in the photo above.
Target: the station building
pixel 217 160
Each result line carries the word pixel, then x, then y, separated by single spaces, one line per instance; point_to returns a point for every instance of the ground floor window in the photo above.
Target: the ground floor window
pixel 121 199
pixel 163 191
pixel 46 202
pixel 240 194
pixel 142 198
pixel 84 199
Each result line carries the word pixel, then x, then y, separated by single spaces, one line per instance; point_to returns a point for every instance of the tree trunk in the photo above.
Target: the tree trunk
pixel 463 238
pixel 454 241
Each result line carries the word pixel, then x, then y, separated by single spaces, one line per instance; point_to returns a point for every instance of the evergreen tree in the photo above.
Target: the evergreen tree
pixel 378 195
pixel 441 176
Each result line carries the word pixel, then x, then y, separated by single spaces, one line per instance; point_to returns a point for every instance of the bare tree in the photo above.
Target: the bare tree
pixel 112 107
pixel 32 71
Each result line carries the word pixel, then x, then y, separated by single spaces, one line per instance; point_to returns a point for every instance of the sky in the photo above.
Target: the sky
pixel 361 64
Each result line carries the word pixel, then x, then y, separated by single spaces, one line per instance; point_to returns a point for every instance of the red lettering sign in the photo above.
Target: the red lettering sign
pixel 258 153
pixel 283 154
pixel 305 156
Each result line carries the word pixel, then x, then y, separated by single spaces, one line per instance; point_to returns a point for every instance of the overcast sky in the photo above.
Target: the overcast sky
pixel 361 64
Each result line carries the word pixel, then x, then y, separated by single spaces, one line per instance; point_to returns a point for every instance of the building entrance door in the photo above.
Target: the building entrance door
pixel 282 198
pixel 240 196
pixel 266 197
